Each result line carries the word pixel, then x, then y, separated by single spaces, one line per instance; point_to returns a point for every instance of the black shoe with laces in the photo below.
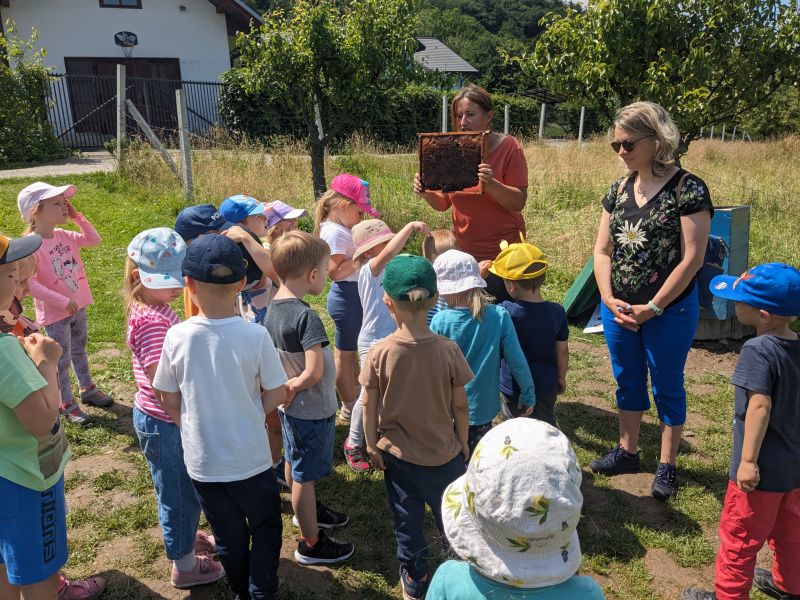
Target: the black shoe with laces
pixel 762 578
pixel 327 518
pixel 326 551
pixel 616 462
pixel 665 484
pixel 695 594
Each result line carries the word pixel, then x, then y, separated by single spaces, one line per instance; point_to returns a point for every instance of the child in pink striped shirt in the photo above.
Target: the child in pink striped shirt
pixel 153 280
pixel 60 289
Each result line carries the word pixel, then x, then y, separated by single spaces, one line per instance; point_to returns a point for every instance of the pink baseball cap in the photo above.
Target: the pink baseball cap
pixel 356 189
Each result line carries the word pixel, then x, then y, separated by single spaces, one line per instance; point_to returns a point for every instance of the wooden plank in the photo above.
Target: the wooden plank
pixel 151 137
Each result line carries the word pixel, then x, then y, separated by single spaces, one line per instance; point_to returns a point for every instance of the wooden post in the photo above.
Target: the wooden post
pixel 151 137
pixel 186 152
pixel 444 113
pixel 505 118
pixel 120 111
pixel 541 121
pixel 580 126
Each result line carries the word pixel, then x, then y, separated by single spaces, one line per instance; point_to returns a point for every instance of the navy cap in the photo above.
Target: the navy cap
pixel 194 221
pixel 210 252
pixel 773 287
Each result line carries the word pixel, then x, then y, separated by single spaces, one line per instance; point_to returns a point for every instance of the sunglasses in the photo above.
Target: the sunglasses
pixel 629 145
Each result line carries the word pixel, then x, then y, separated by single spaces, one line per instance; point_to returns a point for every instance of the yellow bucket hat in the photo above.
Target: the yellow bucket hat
pixel 515 259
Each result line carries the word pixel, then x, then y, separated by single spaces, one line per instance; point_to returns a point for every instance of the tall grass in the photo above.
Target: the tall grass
pixel 566 183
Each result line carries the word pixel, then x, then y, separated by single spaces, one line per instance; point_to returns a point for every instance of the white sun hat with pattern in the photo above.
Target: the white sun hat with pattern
pixel 513 514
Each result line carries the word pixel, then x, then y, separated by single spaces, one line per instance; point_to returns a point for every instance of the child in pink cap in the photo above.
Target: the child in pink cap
pixel 336 212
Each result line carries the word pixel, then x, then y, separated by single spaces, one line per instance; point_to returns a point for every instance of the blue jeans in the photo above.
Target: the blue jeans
pixel 178 508
pixel 410 487
pixel 660 346
pixel 245 517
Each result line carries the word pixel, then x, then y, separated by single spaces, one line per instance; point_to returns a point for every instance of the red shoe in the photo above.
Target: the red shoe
pixel 80 589
pixel 204 543
pixel 356 457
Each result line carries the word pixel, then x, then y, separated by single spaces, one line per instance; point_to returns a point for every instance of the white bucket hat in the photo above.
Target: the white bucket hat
pixel 513 514
pixel 457 272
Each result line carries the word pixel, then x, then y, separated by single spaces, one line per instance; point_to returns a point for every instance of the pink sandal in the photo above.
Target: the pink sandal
pixel 80 589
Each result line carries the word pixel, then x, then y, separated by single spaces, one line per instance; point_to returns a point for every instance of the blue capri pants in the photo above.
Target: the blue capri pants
pixel 660 346
pixel 344 307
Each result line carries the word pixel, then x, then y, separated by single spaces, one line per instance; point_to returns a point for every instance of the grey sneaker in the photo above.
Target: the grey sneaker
pixel 616 462
pixel 695 594
pixel 762 578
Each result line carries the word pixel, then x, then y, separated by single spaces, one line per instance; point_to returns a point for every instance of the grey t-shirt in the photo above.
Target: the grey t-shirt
pixel 295 328
pixel 770 365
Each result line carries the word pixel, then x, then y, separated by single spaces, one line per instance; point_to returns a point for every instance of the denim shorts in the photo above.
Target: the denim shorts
pixel 660 347
pixel 309 446
pixel 33 531
pixel 178 508
pixel 344 307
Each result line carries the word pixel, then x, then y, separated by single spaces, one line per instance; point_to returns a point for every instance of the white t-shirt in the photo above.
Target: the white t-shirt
pixel 220 366
pixel 377 321
pixel 340 239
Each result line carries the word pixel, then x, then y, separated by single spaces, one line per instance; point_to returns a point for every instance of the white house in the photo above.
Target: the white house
pixel 175 40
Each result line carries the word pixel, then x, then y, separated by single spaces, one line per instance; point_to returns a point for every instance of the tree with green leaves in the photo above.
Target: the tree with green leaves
pixel 708 63
pixel 325 55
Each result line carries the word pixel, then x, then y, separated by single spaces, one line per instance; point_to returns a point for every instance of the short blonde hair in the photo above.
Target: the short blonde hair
pixel 132 288
pixel 437 242
pixel 644 119
pixel 296 253
pixel 419 299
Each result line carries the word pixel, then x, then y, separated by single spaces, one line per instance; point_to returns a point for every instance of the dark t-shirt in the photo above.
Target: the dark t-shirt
pixel 539 325
pixel 770 365
pixel 647 240
pixel 294 328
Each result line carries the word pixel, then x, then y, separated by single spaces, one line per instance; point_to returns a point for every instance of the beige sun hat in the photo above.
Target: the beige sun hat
pixel 513 514
pixel 368 234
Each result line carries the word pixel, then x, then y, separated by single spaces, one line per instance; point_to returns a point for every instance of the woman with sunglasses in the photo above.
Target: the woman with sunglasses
pixel 651 243
pixel 482 221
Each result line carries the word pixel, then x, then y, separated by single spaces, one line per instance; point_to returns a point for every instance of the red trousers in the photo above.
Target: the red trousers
pixel 748 520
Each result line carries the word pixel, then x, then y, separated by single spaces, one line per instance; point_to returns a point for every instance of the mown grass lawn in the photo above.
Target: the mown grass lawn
pixel 636 547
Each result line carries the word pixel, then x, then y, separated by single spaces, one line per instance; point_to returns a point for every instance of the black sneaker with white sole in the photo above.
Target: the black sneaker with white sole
pixel 327 518
pixel 326 551
pixel 763 580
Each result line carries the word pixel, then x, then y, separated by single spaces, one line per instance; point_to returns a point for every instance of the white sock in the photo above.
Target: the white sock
pixel 186 563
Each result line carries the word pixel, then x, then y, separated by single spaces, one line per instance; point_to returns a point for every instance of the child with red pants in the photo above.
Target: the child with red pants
pixel 762 503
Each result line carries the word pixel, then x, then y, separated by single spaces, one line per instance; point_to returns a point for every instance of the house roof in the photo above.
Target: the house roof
pixel 240 12
pixel 434 55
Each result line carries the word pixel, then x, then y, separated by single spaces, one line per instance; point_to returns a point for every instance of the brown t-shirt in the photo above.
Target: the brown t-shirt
pixel 415 381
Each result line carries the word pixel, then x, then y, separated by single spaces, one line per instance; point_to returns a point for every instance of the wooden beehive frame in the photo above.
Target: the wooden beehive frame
pixel 482 137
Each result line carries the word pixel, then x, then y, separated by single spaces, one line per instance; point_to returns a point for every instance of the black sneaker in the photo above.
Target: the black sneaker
pixel 280 473
pixel 665 484
pixel 763 580
pixel 327 518
pixel 326 551
pixel 616 462
pixel 695 594
pixel 412 590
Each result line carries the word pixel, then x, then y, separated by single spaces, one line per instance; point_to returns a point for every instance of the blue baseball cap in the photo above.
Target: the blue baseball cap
pixel 194 221
pixel 158 253
pixel 211 252
pixel 237 208
pixel 773 287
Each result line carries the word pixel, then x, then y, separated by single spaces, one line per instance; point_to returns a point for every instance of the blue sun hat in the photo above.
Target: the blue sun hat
pixel 513 514
pixel 158 253
pixel 773 287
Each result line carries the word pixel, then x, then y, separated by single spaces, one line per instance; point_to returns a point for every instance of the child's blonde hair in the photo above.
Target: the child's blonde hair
pixel 329 201
pixel 419 300
pixel 31 222
pixel 132 288
pixel 27 263
pixel 437 242
pixel 475 299
pixel 297 252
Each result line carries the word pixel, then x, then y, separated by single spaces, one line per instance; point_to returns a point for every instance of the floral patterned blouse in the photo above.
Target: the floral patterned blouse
pixel 647 240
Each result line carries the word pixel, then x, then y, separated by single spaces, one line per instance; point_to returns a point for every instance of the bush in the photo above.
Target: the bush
pixel 25 134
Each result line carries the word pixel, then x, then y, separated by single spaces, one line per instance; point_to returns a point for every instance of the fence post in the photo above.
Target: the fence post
pixel 733 135
pixel 444 113
pixel 120 111
pixel 505 118
pixel 701 133
pixel 186 153
pixel 137 116
pixel 723 132
pixel 541 121
pixel 580 126
pixel 711 137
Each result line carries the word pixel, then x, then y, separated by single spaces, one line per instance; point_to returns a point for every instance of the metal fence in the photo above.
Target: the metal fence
pixel 82 108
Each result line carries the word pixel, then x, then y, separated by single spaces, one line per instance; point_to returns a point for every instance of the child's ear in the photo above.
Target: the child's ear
pixel 764 316
pixel 190 284
pixel 135 274
pixel 242 283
